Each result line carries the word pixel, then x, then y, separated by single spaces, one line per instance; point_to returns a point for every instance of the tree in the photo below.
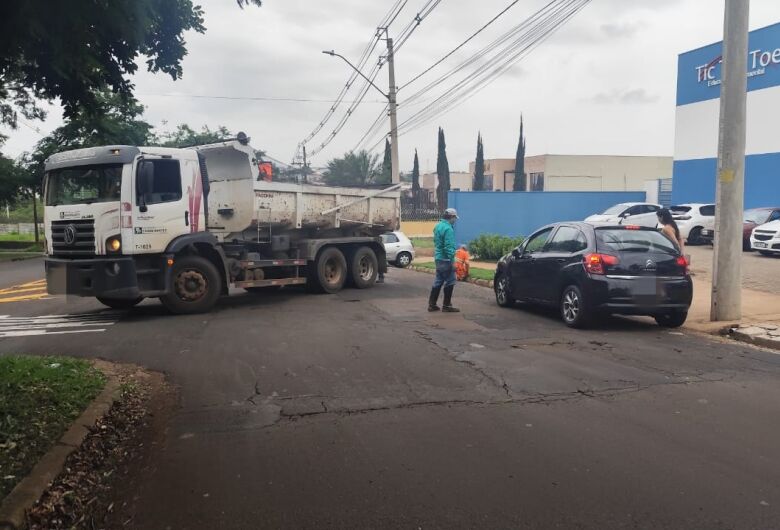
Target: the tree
pixel 186 136
pixel 443 172
pixel 519 183
pixel 354 169
pixel 479 166
pixel 69 50
pixel 386 177
pixel 416 181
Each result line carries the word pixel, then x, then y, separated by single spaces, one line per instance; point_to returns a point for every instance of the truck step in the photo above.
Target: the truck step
pixel 270 283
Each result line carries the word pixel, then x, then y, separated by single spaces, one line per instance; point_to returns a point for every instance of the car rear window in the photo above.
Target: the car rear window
pixel 620 240
pixel 708 210
pixel 680 209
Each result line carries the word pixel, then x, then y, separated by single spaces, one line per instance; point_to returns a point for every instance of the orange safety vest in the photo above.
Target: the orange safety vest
pixel 462 264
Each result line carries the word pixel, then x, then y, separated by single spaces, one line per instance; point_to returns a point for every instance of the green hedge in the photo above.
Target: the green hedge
pixel 493 246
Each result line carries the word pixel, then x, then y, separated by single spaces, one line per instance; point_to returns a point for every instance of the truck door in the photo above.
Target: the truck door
pixel 163 197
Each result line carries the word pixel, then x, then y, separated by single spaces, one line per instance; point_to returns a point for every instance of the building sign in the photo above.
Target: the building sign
pixel 699 71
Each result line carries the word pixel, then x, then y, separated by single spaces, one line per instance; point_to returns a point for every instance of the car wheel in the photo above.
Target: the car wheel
pixel 694 238
pixel 746 246
pixel 119 303
pixel 196 286
pixel 503 293
pixel 403 260
pixel 574 311
pixel 363 268
pixel 675 319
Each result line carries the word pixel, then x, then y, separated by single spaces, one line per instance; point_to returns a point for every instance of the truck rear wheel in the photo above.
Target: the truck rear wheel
pixel 363 268
pixel 331 270
pixel 196 286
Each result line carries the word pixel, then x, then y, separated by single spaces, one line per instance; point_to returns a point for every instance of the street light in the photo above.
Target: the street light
pixel 391 100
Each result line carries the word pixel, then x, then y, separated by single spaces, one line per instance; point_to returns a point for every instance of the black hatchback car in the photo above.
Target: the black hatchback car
pixel 588 271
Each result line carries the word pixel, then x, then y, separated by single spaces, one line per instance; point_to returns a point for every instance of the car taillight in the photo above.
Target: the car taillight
pixel 682 261
pixel 595 263
pixel 632 227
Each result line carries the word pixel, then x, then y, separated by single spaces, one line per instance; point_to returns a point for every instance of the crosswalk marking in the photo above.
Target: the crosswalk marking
pixel 13 326
pixel 27 291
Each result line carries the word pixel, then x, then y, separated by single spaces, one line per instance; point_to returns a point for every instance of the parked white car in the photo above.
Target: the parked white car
pixel 766 238
pixel 629 213
pixel 693 219
pixel 399 249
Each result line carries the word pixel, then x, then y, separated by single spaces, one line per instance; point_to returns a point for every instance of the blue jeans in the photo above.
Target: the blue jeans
pixel 445 273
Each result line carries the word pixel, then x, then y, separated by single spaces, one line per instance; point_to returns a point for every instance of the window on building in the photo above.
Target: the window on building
pixel 488 183
pixel 537 181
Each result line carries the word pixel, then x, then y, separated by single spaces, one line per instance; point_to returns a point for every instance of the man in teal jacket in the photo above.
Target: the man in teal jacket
pixel 444 242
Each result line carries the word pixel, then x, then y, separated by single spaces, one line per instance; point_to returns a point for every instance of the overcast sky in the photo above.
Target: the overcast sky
pixel 603 84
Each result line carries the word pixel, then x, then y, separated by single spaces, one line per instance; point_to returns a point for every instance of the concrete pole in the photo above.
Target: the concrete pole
pixel 393 118
pixel 727 264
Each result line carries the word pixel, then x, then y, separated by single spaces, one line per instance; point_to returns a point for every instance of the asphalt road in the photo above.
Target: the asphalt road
pixel 361 410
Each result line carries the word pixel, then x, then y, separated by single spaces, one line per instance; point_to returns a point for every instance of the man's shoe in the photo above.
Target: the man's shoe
pixel 434 299
pixel 433 308
pixel 449 309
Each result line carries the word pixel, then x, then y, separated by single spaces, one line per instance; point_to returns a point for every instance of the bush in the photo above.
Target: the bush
pixel 493 246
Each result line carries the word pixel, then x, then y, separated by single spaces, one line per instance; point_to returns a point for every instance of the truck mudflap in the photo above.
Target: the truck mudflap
pixel 108 277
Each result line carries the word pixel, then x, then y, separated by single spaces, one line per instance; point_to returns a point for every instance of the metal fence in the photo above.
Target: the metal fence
pixel 419 207
pixel 20 228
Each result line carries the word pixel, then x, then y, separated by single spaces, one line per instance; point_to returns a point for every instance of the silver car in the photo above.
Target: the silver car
pixel 399 249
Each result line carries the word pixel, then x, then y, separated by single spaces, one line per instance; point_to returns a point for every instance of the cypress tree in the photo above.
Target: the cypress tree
pixel 519 183
pixel 479 166
pixel 416 181
pixel 443 172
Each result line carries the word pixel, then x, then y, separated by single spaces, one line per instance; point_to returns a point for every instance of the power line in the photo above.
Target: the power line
pixel 410 28
pixel 459 46
pixel 253 98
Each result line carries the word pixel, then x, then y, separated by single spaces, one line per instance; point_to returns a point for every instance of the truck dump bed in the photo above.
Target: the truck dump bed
pixel 240 202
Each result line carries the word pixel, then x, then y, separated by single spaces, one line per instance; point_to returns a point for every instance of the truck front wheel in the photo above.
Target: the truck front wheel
pixel 119 303
pixel 196 286
pixel 331 270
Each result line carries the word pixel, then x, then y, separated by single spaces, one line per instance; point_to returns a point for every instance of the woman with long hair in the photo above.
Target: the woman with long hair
pixel 669 228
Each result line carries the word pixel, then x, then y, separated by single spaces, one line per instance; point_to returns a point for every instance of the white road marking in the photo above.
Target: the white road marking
pixel 12 326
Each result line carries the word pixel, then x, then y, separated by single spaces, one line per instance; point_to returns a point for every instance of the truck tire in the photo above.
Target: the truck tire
pixel 363 268
pixel 196 286
pixel 330 271
pixel 119 303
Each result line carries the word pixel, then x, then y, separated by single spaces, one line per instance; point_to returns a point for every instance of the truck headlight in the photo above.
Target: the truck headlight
pixel 114 245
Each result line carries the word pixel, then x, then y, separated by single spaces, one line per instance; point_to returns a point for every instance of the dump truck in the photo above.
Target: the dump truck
pixel 124 223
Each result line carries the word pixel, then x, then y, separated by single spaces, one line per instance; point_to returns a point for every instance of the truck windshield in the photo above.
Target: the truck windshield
pixel 83 185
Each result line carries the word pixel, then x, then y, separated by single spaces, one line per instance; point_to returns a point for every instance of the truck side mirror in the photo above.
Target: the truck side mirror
pixel 144 182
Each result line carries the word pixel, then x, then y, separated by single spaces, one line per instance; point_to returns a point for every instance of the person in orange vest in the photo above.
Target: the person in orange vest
pixel 462 263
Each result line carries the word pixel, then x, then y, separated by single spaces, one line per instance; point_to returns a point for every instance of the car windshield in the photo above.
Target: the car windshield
pixel 615 210
pixel 617 240
pixel 758 217
pixel 83 185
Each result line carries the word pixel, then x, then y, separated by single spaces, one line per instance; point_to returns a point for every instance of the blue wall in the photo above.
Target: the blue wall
pixel 694 180
pixel 520 213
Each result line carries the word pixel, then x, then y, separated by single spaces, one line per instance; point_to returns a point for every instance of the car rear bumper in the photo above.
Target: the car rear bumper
pixel 107 277
pixel 640 295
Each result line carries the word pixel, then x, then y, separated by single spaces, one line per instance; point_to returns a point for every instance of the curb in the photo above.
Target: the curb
pixel 14 507
pixel 756 335
pixel 475 281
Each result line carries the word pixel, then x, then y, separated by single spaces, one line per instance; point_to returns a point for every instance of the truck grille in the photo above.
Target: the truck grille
pixel 73 239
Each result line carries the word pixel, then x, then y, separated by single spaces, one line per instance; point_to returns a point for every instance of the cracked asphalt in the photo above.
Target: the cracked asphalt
pixel 362 410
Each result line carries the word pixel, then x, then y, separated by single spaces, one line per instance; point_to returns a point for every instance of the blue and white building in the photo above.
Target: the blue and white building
pixel 696 124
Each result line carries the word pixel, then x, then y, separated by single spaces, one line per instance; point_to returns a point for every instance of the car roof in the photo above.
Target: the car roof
pixel 763 208
pixel 693 204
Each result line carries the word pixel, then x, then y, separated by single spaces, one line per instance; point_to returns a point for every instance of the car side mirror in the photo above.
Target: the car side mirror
pixel 516 253
pixel 624 215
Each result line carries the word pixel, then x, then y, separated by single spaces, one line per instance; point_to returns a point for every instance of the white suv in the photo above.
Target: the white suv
pixel 766 238
pixel 628 213
pixel 693 220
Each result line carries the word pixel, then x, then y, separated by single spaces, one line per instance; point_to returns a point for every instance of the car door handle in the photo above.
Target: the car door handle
pixel 560 260
pixel 187 218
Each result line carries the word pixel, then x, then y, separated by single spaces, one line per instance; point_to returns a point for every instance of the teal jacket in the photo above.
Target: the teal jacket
pixel 444 241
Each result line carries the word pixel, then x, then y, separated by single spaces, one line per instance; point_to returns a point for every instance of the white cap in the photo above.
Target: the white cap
pixel 451 212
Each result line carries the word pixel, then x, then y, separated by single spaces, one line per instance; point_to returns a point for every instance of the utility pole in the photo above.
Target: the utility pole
pixel 727 264
pixel 303 169
pixel 391 96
